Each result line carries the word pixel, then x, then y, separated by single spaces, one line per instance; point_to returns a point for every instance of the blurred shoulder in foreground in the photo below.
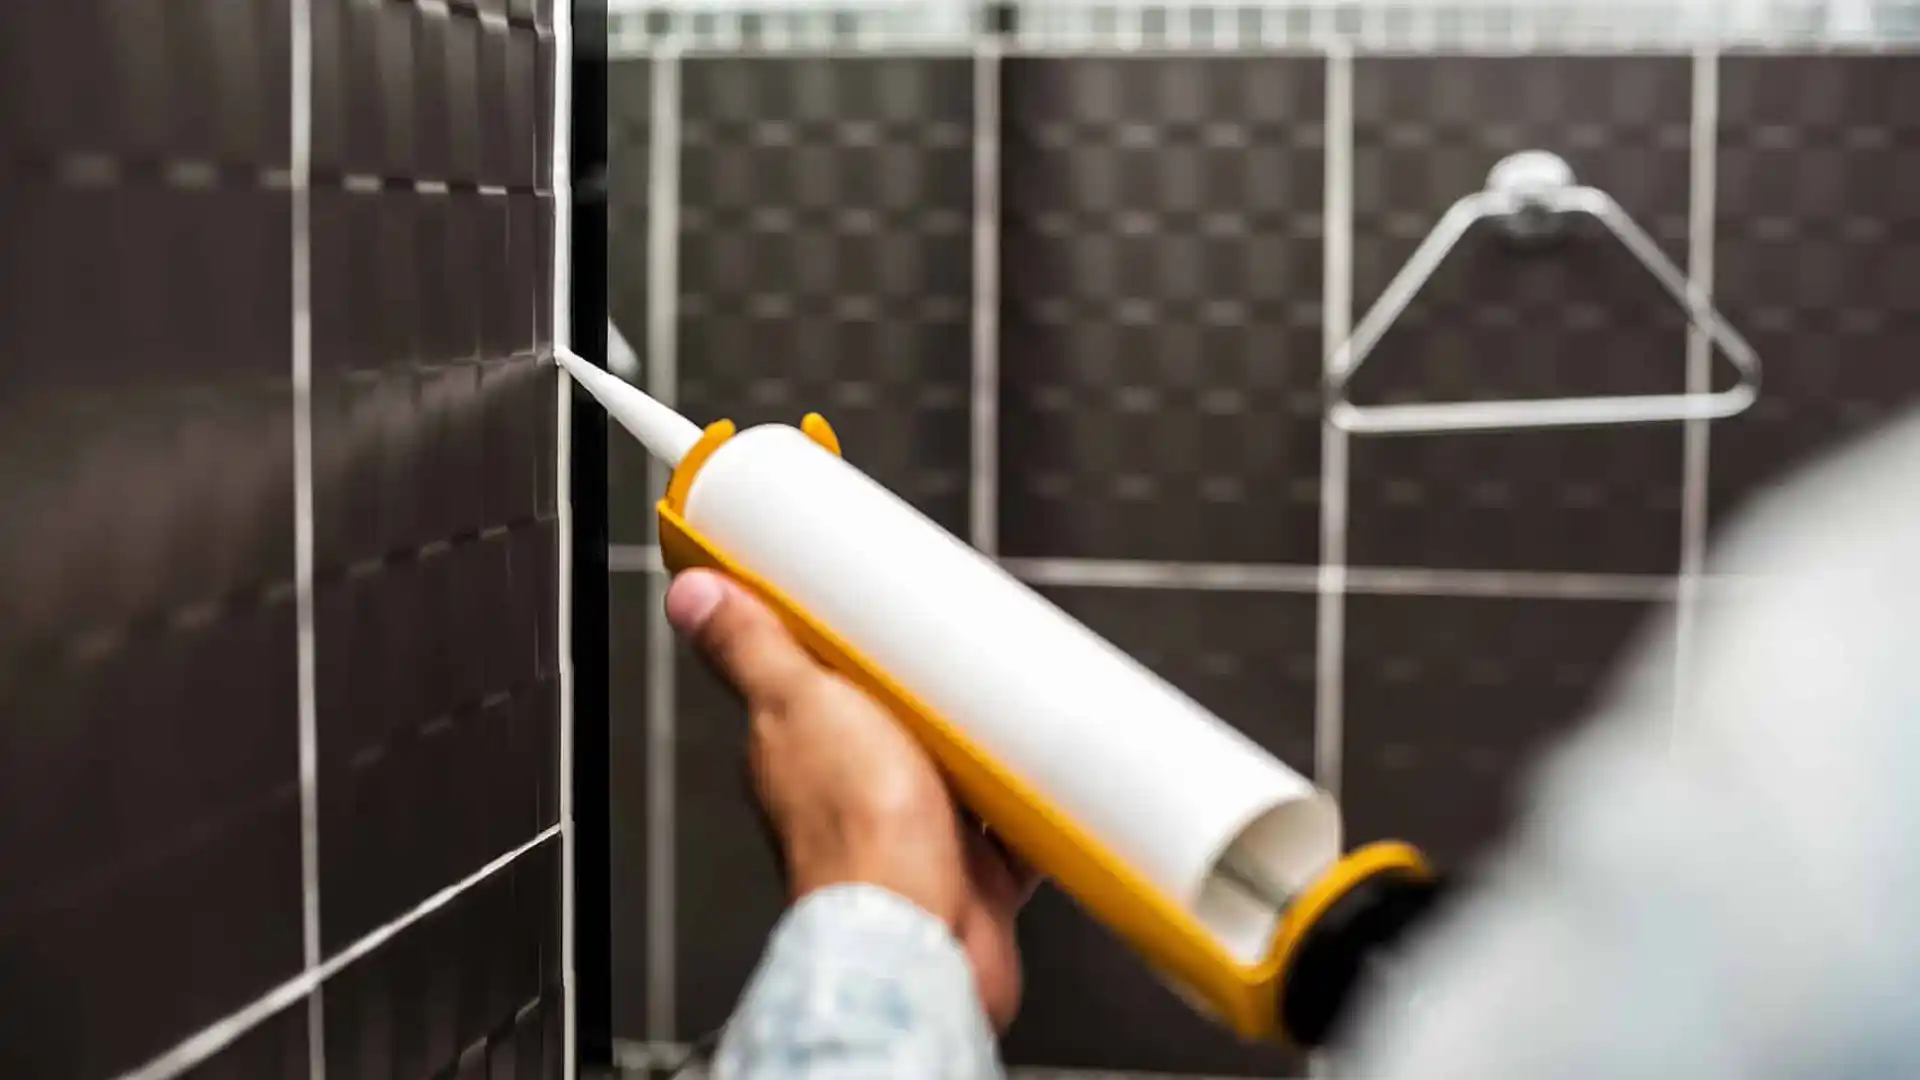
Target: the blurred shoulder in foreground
pixel 1724 880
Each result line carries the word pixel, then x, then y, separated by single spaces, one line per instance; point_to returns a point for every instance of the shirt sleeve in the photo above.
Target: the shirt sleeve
pixel 1725 890
pixel 859 984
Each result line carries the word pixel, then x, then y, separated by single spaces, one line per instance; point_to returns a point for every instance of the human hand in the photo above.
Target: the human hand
pixel 848 794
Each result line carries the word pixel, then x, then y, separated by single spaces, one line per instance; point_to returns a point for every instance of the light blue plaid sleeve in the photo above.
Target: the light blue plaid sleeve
pixel 859 984
pixel 1716 883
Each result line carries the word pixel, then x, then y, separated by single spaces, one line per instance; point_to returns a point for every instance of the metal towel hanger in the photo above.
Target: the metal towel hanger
pixel 1530 194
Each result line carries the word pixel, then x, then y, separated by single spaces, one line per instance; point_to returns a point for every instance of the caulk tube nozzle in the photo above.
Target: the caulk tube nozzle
pixel 666 434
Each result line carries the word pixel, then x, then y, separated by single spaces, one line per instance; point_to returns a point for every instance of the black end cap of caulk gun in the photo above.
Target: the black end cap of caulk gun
pixel 1327 968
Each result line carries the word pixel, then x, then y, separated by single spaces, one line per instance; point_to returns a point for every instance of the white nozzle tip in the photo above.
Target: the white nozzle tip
pixel 666 434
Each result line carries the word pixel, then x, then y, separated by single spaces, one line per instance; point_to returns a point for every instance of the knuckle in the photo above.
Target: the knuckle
pixel 793 691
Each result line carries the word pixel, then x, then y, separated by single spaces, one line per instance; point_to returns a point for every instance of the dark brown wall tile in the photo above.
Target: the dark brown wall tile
pixel 630 124
pixel 1818 244
pixel 728 884
pixel 475 983
pixel 1579 318
pixel 628 765
pixel 1449 701
pixel 1160 284
pixel 825 258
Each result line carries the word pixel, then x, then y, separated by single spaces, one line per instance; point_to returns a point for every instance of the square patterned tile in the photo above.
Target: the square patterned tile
pixel 438 710
pixel 729 886
pixel 628 768
pixel 1449 702
pixel 1818 233
pixel 826 258
pixel 207 83
pixel 629 127
pixel 434 443
pixel 1581 317
pixel 148 762
pixel 471 990
pixel 1161 308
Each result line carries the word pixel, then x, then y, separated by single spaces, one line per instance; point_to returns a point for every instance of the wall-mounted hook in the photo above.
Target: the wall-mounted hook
pixel 1529 196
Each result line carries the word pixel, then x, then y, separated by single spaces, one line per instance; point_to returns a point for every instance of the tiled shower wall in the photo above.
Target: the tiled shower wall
pixel 1074 304
pixel 278 659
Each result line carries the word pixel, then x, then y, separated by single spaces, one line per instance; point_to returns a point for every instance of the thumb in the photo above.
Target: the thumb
pixel 740 636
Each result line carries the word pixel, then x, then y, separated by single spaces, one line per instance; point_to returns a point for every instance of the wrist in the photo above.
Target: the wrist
pixel 911 875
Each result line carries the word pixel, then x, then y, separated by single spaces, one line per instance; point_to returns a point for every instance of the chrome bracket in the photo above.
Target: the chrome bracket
pixel 1530 196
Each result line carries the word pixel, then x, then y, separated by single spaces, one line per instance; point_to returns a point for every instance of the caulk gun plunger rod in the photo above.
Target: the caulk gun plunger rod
pixel 1253 880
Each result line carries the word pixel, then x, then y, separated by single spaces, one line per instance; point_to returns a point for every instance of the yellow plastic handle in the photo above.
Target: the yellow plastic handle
pixel 1168 936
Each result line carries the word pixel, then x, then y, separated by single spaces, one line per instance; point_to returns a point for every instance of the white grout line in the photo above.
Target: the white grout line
pixel 1280 50
pixel 747 51
pixel 562 323
pixel 1368 580
pixel 1700 241
pixel 1134 50
pixel 1145 50
pixel 1133 574
pixel 300 127
pixel 1506 584
pixel 217 1036
pixel 1286 578
pixel 984 473
pixel 662 369
pixel 1336 316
